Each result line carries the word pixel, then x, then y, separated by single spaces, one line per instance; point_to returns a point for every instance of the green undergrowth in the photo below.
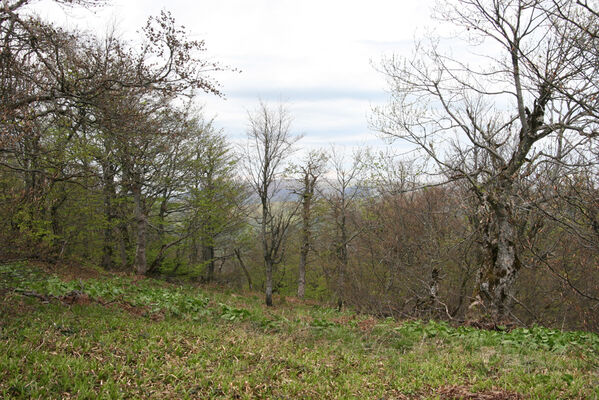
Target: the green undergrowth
pixel 121 337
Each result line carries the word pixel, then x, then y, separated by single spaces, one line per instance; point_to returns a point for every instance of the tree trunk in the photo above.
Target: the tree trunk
pixel 301 281
pixel 497 278
pixel 340 285
pixel 124 245
pixel 343 261
pixel 59 241
pixel 433 286
pixel 161 217
pixel 193 251
pixel 506 267
pixel 245 270
pixel 160 236
pixel 141 265
pixel 208 258
pixel 109 195
pixel 268 261
pixel 269 267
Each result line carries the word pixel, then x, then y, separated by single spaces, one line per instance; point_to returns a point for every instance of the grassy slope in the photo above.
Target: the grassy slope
pixel 128 338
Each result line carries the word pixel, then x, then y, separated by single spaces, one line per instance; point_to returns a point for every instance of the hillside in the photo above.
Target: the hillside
pixel 87 334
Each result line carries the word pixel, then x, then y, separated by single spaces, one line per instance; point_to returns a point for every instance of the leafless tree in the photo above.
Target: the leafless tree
pixel 341 192
pixel 270 142
pixel 309 171
pixel 491 119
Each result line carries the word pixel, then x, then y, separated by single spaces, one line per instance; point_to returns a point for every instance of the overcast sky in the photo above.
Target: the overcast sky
pixel 318 56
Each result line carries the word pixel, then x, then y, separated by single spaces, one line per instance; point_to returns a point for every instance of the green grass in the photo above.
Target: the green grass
pixel 149 339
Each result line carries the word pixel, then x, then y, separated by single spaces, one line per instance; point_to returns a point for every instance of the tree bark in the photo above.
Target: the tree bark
pixel 109 195
pixel 124 245
pixel 141 265
pixel 193 251
pixel 160 235
pixel 208 258
pixel 502 264
pixel 506 266
pixel 343 260
pixel 268 262
pixel 243 266
pixel 162 217
pixel 269 268
pixel 301 280
pixel 307 200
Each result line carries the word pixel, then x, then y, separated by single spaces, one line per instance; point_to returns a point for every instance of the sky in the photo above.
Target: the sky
pixel 319 57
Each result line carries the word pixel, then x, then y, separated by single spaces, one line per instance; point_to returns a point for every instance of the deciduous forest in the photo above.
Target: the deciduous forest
pixel 494 216
pixel 147 254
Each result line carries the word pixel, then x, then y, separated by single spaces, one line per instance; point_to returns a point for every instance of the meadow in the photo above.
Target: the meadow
pixel 88 334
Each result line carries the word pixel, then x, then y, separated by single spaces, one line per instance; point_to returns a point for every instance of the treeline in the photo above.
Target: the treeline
pixel 105 160
pixel 101 145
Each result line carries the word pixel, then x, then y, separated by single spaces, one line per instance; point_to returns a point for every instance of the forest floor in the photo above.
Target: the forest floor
pixel 65 334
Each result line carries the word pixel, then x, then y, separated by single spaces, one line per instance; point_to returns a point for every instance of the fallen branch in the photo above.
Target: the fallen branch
pixel 42 297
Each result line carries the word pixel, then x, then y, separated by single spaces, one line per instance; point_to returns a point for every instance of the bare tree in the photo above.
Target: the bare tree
pixel 309 172
pixel 493 121
pixel 341 193
pixel 32 62
pixel 270 142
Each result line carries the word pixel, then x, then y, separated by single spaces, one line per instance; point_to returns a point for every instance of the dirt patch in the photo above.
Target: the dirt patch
pixel 70 270
pixel 463 393
pixel 124 305
pixel 14 307
pixel 293 300
pixel 307 302
pixel 367 325
pixel 157 316
pixel 71 298
pixel 75 297
pixel 490 325
pixel 344 320
pixel 135 279
pixel 80 298
pixel 140 311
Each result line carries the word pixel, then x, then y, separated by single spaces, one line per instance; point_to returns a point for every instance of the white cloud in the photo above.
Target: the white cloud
pixel 316 54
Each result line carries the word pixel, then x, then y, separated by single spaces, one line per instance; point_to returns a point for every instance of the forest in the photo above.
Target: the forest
pixel 492 217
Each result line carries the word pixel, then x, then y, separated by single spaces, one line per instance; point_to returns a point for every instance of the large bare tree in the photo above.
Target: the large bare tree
pixel 492 116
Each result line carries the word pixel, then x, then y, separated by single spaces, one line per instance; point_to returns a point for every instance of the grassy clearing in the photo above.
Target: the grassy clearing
pixel 119 337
